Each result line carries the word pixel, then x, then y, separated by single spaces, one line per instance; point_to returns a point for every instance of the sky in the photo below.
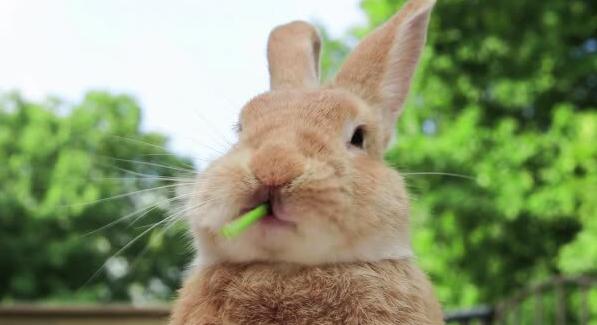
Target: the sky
pixel 190 64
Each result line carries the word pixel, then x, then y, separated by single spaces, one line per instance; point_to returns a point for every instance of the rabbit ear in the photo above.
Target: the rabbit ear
pixel 293 56
pixel 381 67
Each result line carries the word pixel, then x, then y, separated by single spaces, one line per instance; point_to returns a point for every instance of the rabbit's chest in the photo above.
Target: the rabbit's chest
pixel 263 295
pixel 303 299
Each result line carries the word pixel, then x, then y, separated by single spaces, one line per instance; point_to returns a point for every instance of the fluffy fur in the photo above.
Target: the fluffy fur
pixel 388 292
pixel 337 247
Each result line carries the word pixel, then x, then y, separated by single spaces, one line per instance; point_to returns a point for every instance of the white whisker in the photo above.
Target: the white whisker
pixel 184 170
pixel 120 196
pixel 179 180
pixel 210 125
pixel 137 141
pixel 131 242
pixel 439 174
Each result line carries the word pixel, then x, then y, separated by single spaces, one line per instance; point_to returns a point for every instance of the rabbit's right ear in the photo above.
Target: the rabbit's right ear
pixel 293 56
pixel 381 67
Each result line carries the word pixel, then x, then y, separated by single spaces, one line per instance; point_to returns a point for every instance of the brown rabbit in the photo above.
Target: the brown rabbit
pixel 334 247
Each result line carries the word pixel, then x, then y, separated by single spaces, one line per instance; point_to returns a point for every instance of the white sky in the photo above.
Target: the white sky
pixel 190 64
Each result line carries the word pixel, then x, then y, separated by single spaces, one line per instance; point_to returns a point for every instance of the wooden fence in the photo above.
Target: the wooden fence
pixel 83 315
pixel 559 301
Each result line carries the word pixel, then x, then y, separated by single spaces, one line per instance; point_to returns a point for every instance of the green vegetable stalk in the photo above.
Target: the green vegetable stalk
pixel 237 226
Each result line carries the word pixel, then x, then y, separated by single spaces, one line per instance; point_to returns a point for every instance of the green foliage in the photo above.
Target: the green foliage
pixel 55 160
pixel 507 94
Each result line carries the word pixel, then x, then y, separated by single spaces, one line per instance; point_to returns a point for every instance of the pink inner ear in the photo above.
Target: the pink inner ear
pixel 293 56
pixel 403 59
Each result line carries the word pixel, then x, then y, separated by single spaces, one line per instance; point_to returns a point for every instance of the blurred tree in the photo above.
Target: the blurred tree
pixel 55 160
pixel 507 94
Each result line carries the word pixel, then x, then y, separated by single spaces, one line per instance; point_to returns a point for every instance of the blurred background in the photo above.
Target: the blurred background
pixel 105 105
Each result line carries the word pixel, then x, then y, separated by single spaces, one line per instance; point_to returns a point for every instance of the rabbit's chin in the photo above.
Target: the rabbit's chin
pixel 309 244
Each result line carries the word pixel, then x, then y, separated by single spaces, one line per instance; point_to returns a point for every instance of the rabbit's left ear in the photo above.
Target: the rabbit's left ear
pixel 293 56
pixel 381 67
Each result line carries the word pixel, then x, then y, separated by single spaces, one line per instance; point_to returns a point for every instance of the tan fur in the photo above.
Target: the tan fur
pixel 381 67
pixel 344 254
pixel 293 56
pixel 387 292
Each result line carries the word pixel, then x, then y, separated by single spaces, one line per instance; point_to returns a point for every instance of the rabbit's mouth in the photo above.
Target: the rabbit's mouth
pixel 274 218
pixel 277 216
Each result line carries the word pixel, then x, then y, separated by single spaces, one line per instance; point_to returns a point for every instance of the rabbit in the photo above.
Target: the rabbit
pixel 334 247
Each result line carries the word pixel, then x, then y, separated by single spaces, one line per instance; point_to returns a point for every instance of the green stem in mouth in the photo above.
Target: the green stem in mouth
pixel 235 227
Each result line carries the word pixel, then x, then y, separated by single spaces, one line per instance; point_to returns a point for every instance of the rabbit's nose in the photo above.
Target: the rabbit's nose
pixel 274 165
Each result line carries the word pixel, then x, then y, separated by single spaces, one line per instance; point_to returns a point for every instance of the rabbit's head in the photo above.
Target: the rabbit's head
pixel 315 154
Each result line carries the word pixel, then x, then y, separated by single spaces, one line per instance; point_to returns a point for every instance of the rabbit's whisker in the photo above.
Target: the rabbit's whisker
pixel 221 136
pixel 184 170
pixel 439 174
pixel 179 180
pixel 142 211
pixel 137 141
pixel 123 195
pixel 132 241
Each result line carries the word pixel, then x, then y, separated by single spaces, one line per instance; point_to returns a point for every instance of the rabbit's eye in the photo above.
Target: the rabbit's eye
pixel 358 137
pixel 237 127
